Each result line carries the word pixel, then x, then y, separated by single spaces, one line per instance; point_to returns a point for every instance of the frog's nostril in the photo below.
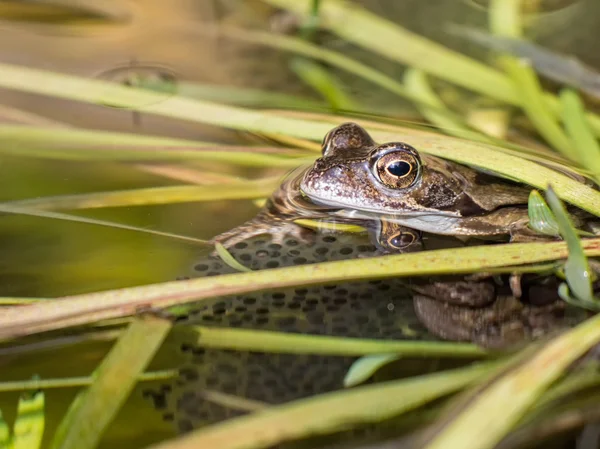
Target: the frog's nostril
pixel 319 164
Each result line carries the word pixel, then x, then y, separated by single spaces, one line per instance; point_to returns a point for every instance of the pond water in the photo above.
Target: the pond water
pixel 42 257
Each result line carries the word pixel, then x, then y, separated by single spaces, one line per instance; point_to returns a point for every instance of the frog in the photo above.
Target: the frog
pixel 362 178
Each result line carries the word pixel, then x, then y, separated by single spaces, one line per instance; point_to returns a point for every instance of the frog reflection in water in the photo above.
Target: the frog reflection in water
pixel 484 311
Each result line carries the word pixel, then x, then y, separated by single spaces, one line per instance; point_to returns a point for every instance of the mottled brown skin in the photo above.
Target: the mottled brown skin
pixel 476 204
pixel 505 322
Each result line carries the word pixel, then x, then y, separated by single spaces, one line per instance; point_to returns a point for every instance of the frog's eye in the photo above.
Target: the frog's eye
pixel 401 240
pixel 398 169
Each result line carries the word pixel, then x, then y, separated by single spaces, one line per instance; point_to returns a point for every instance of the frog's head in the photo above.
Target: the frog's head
pixel 354 172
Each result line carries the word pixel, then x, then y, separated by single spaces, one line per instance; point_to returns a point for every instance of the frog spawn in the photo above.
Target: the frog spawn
pixel 373 309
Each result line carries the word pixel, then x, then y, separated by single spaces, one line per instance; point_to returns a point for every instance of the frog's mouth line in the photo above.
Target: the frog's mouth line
pixel 344 208
pixel 421 221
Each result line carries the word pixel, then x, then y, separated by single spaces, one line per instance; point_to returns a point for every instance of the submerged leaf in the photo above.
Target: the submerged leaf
pixel 229 259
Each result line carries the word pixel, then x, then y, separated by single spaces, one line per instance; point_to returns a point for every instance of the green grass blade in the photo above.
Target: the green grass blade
pixel 228 258
pixel 558 67
pixel 577 270
pixel 416 82
pixel 366 366
pixel 585 144
pixel 29 425
pixel 285 343
pixel 243 96
pixel 497 409
pixel 147 196
pixel 4 433
pixel 327 413
pixel 104 93
pixel 94 307
pixel 505 21
pixel 110 224
pixel 541 218
pixel 74 382
pixel 84 145
pixel 324 83
pixel 94 409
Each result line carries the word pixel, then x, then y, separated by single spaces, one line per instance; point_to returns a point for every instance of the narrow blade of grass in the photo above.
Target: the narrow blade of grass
pixel 585 144
pixel 148 196
pixel 497 409
pixel 577 270
pixel 94 409
pixel 76 382
pixel 94 307
pixel 327 413
pixel 4 433
pixel 285 343
pixel 110 224
pixel 247 97
pixel 560 68
pixel 505 21
pixel 84 145
pixel 230 401
pixel 366 366
pixel 541 218
pixel 228 258
pixel 324 83
pixel 416 82
pixel 29 425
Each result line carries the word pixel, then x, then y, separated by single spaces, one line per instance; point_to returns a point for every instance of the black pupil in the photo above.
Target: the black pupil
pixel 402 240
pixel 399 168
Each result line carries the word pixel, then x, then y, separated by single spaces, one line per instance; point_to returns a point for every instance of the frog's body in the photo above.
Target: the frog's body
pixel 361 178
